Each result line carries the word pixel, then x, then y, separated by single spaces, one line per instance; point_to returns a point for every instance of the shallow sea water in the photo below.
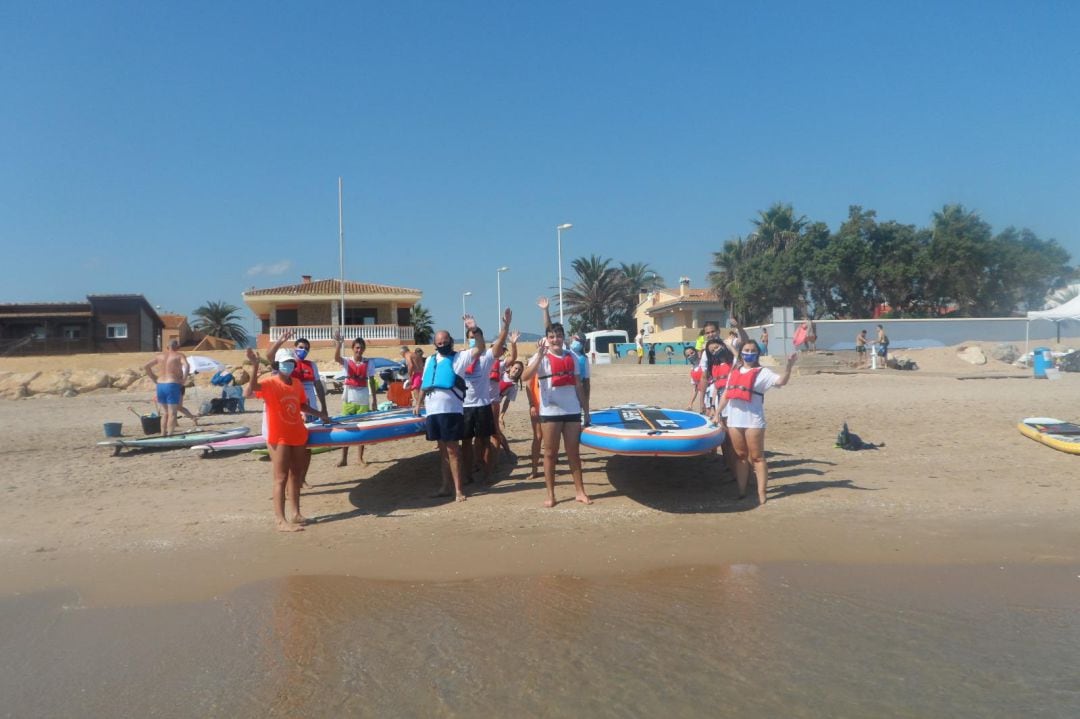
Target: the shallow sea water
pixel 741 640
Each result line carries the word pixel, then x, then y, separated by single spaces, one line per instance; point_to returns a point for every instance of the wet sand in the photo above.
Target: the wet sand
pixel 955 484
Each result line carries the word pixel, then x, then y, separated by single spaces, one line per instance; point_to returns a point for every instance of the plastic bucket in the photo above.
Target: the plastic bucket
pixel 151 423
pixel 1041 360
pixel 112 429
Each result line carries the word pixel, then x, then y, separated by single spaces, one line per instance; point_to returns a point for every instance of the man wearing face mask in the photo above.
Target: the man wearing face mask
pixel 443 389
pixel 478 416
pixel 307 372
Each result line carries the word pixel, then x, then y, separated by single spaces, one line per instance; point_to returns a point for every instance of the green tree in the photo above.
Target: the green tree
pixel 1021 269
pixel 422 324
pixel 724 277
pixel 220 319
pixel 597 294
pixel 958 247
pixel 636 278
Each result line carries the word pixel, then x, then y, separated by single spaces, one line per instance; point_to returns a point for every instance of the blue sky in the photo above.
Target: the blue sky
pixel 188 151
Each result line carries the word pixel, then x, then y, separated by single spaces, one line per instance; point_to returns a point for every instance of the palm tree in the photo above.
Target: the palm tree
pixel 220 319
pixel 777 229
pixel 596 294
pixel 727 262
pixel 423 325
pixel 636 278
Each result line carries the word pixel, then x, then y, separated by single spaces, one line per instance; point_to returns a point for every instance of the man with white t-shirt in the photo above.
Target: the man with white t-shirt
pixel 443 393
pixel 479 418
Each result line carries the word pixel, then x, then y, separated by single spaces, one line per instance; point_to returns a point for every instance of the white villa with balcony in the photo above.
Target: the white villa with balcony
pixel 312 309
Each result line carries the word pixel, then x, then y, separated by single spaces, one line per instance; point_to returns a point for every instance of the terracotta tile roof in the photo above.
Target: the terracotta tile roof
pixel 332 288
pixel 704 294
pixel 693 297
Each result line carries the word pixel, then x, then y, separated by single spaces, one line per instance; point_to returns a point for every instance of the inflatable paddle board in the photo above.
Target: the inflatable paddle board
pixel 264 453
pixel 651 431
pixel 1061 435
pixel 176 441
pixel 368 428
pixel 240 444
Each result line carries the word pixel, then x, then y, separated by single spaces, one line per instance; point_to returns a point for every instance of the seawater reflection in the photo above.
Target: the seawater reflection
pixel 738 640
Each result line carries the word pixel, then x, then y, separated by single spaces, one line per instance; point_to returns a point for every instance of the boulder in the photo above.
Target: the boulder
pixel 971 355
pixel 125 379
pixel 87 380
pixel 49 383
pixel 13 385
pixel 142 384
pixel 1006 353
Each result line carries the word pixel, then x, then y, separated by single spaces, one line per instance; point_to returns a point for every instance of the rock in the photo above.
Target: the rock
pixel 13 385
pixel 87 380
pixel 1005 353
pixel 142 384
pixel 971 355
pixel 49 383
pixel 125 379
pixel 69 393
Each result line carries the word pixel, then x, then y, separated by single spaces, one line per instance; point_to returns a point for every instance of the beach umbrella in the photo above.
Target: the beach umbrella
pixel 199 363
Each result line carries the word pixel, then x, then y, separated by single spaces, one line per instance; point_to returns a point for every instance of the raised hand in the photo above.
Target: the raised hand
pixel 338 337
pixel 543 303
pixel 287 335
pixel 542 345
pixel 792 357
pixel 514 337
pixel 253 357
pixel 470 321
pixel 507 316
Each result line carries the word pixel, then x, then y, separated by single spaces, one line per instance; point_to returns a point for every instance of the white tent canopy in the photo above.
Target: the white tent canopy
pixel 1068 311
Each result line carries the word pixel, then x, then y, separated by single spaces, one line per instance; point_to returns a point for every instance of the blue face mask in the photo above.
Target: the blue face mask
pixel 287 368
pixel 749 357
pixel 472 342
pixel 301 353
pixel 576 346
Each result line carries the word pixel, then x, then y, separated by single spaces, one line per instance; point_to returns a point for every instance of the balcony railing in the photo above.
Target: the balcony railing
pixel 325 333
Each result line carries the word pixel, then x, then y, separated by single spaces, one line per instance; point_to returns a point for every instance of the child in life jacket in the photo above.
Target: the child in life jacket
pixel 360 392
pixel 497 377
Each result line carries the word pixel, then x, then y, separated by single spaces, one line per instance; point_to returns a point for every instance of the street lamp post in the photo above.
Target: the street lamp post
pixel 498 295
pixel 463 330
pixel 558 235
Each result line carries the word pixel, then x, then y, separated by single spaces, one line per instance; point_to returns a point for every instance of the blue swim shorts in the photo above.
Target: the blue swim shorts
pixel 169 393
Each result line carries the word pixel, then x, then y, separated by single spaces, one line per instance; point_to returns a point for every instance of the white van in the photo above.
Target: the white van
pixel 598 344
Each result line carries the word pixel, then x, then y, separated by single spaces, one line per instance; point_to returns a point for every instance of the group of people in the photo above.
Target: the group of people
pixel 863 349
pixel 729 385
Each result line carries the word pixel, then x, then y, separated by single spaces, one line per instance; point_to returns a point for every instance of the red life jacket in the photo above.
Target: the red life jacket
pixel 503 386
pixel 305 371
pixel 720 374
pixel 741 385
pixel 562 370
pixel 357 373
pixel 496 371
pixel 695 375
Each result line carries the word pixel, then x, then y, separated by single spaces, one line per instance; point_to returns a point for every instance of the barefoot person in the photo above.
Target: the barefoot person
pixel 562 404
pixel 861 340
pixel 477 411
pixel 286 435
pixel 169 369
pixel 744 402
pixel 496 393
pixel 359 393
pixel 443 387
pixel 414 368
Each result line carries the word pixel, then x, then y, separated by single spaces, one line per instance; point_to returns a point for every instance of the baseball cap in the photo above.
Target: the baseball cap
pixel 285 354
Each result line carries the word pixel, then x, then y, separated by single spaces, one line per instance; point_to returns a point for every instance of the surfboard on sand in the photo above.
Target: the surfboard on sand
pixel 175 441
pixel 1059 434
pixel 368 428
pixel 239 444
pixel 636 429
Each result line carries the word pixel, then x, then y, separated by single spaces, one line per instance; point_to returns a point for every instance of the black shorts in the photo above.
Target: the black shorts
pixel 861 349
pixel 448 427
pixel 479 422
pixel 576 418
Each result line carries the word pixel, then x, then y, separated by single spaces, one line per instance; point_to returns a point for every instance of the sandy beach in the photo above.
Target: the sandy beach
pixel 955 484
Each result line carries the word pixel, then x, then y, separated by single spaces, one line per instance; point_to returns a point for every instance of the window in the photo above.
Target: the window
pixel 117 331
pixel 72 332
pixel 286 318
pixel 359 316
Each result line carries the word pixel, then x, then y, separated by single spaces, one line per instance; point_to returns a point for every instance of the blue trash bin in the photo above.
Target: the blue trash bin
pixel 1041 360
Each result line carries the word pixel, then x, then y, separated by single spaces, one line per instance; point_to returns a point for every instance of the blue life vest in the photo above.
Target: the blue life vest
pixel 439 374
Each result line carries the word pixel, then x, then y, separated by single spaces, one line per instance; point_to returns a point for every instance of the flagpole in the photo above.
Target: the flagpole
pixel 341 255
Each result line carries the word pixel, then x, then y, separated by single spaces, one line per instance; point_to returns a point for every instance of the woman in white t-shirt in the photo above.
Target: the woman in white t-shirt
pixel 741 412
pixel 562 405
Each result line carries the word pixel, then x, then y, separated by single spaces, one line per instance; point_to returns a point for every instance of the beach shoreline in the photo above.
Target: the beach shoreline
pixel 955 484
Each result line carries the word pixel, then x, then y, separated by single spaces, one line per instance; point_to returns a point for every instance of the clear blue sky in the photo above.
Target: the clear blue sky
pixel 188 150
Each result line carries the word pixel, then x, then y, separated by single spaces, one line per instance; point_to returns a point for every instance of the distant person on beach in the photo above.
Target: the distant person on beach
pixel 639 346
pixel 811 336
pixel 562 406
pixel 652 354
pixel 360 392
pixel 284 403
pixel 861 340
pixel 443 387
pixel 169 370
pixel 414 367
pixel 307 372
pixel 670 352
pixel 764 340
pixel 699 344
pixel 882 344
pixel 741 412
